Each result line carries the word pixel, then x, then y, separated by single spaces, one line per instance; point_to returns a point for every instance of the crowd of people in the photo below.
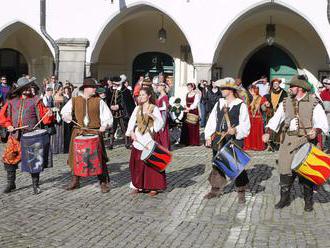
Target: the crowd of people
pixel 84 122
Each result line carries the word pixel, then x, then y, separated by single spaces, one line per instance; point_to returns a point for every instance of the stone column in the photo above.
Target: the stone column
pixel 72 59
pixel 203 71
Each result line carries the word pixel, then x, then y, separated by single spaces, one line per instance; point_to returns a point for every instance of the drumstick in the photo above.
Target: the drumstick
pixel 84 128
pixel 41 119
pixel 18 128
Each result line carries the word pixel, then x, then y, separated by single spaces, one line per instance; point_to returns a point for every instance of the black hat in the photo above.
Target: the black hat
pixel 89 83
pixel 22 83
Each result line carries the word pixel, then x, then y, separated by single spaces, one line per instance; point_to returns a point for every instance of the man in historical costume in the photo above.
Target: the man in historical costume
pixel 229 117
pixel 273 99
pixel 303 117
pixel 325 96
pixel 91 116
pixel 21 110
pixel 122 106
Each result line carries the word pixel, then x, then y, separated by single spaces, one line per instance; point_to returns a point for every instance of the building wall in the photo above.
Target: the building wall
pixel 203 24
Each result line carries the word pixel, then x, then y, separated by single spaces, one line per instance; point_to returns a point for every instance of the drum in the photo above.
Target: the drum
pixel 231 159
pixel 192 118
pixel 87 156
pixel 156 156
pixel 311 163
pixel 36 154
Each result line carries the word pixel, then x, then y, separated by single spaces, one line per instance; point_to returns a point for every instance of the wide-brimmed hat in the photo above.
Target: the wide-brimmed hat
pixel 227 83
pixel 300 81
pixel 89 83
pixel 23 82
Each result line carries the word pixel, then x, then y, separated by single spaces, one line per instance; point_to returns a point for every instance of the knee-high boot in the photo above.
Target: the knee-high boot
pixel 308 198
pixel 11 177
pixel 35 183
pixel 286 184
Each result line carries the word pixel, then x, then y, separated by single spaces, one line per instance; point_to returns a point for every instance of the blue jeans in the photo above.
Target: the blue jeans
pixel 203 114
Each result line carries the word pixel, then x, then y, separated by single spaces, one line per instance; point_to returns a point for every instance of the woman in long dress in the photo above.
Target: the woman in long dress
pixel 57 140
pixel 190 131
pixel 145 121
pixel 163 137
pixel 254 140
pixel 67 94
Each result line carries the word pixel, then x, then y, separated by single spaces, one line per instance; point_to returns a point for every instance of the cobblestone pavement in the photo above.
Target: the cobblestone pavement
pixel 179 217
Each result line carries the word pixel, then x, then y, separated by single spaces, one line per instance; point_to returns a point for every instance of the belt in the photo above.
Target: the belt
pixel 299 132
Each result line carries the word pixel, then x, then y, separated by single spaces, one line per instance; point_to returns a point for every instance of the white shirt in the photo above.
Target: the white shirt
pixel 143 139
pixel 242 130
pixel 105 114
pixel 319 119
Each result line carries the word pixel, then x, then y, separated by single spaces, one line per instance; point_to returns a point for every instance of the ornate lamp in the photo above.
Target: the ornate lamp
pixel 162 34
pixel 270 33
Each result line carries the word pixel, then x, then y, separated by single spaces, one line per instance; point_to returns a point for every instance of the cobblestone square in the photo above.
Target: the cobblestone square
pixel 179 217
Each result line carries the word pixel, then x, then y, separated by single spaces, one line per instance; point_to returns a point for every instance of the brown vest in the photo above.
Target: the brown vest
pixel 304 109
pixel 143 121
pixel 79 110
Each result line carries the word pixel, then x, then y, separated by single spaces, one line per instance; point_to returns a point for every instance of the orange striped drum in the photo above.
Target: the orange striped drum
pixel 311 163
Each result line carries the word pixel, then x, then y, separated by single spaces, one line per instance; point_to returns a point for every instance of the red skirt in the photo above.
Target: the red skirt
pixel 190 132
pixel 254 140
pixel 144 176
pixel 163 136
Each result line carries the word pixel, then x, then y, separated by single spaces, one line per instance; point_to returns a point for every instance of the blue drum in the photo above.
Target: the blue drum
pixel 231 159
pixel 36 154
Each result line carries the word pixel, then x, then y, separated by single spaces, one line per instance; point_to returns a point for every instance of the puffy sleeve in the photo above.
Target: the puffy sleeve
pixel 5 120
pixel 275 122
pixel 43 112
pixel 196 102
pixel 211 124
pixel 243 129
pixel 320 120
pixel 66 111
pixel 105 115
pixel 158 121
pixel 131 122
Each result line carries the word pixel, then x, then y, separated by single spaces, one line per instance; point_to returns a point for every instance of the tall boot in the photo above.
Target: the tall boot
pixel 285 183
pixel 35 183
pixel 308 198
pixel 11 177
pixel 111 141
pixel 74 183
pixel 104 182
pixel 127 142
pixel 241 194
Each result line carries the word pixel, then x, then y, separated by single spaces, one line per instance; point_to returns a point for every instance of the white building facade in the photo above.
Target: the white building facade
pixel 204 39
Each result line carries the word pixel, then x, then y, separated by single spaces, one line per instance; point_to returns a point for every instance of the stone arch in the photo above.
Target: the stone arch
pixel 22 37
pixel 119 17
pixel 254 8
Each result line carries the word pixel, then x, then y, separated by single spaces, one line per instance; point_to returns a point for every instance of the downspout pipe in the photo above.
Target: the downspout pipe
pixel 48 37
pixel 328 11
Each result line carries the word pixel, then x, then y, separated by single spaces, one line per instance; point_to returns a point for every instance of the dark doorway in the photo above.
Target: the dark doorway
pixel 270 61
pixel 152 63
pixel 12 64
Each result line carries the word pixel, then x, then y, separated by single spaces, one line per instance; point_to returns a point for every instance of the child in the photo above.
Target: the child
pixel 176 114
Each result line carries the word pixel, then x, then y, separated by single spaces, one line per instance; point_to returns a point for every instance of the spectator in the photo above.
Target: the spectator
pixel 213 95
pixel 263 85
pixel 203 87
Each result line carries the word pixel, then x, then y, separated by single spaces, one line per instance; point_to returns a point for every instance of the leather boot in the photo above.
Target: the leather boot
pixel 35 183
pixel 11 177
pixel 104 182
pixel 308 198
pixel 241 194
pixel 74 183
pixel 111 141
pixel 285 197
pixel 214 192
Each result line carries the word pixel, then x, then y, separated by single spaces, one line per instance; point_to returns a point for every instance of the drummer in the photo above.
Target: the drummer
pixel 97 116
pixel 22 109
pixel 237 128
pixel 312 121
pixel 145 121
